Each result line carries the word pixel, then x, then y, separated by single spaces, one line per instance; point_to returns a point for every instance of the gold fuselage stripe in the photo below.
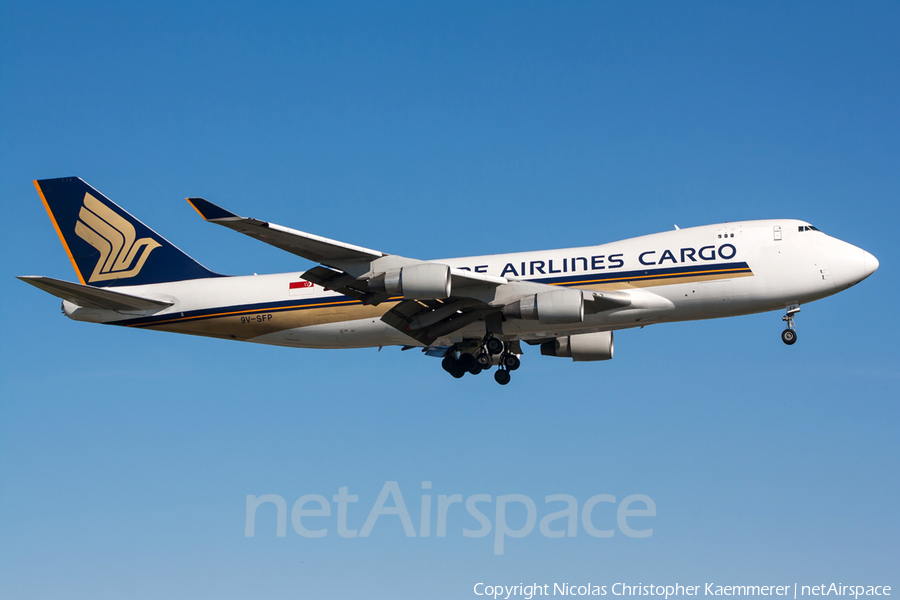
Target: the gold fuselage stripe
pixel 651 276
pixel 253 310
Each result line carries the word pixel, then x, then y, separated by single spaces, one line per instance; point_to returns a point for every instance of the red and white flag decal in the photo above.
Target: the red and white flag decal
pixel 300 284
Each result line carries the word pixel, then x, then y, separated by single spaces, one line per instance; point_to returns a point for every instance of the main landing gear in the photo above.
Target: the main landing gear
pixel 789 335
pixel 479 356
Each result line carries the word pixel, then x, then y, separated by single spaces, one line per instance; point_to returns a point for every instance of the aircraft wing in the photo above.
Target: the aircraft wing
pixel 94 297
pixel 307 245
pixel 363 274
pixel 346 265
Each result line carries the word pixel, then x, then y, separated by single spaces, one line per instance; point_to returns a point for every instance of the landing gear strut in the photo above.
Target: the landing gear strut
pixel 789 335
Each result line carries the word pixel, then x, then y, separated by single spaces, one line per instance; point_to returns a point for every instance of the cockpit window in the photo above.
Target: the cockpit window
pixel 802 228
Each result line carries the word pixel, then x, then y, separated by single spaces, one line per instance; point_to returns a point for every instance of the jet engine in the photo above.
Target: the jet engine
pixel 581 347
pixel 423 281
pixel 551 307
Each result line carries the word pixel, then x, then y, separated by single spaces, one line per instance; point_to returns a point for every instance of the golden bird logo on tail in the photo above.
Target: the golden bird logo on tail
pixel 114 238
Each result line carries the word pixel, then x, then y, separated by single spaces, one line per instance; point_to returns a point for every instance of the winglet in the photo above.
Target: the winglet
pixel 210 211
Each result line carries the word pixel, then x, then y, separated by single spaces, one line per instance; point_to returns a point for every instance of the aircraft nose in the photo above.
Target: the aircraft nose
pixel 870 263
pixel 849 264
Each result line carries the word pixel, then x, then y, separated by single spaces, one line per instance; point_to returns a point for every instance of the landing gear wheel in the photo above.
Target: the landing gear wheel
pixel 493 345
pixel 501 376
pixel 449 364
pixel 476 370
pixel 466 361
pixel 510 361
pixel 789 336
pixel 452 366
pixel 484 360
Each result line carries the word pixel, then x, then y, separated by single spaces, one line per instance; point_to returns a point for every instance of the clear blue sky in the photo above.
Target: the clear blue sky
pixel 436 130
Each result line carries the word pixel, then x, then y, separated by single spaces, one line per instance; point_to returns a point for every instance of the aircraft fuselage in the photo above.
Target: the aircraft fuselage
pixel 687 274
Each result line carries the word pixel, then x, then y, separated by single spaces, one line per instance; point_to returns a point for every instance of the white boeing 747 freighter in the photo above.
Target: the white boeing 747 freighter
pixel 473 312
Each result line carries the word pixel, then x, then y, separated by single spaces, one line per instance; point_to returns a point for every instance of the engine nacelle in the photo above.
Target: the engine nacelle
pixel 581 347
pixel 552 307
pixel 423 281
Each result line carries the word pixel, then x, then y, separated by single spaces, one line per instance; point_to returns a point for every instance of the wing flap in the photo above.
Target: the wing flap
pixel 427 320
pixel 93 297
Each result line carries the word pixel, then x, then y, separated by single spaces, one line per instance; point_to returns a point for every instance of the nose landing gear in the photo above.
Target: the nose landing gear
pixel 789 335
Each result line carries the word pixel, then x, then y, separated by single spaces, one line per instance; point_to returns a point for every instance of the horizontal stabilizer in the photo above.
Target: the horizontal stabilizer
pixel 93 297
pixel 307 245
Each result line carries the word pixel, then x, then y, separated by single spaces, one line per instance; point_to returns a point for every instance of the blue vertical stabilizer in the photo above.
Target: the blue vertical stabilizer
pixel 108 246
